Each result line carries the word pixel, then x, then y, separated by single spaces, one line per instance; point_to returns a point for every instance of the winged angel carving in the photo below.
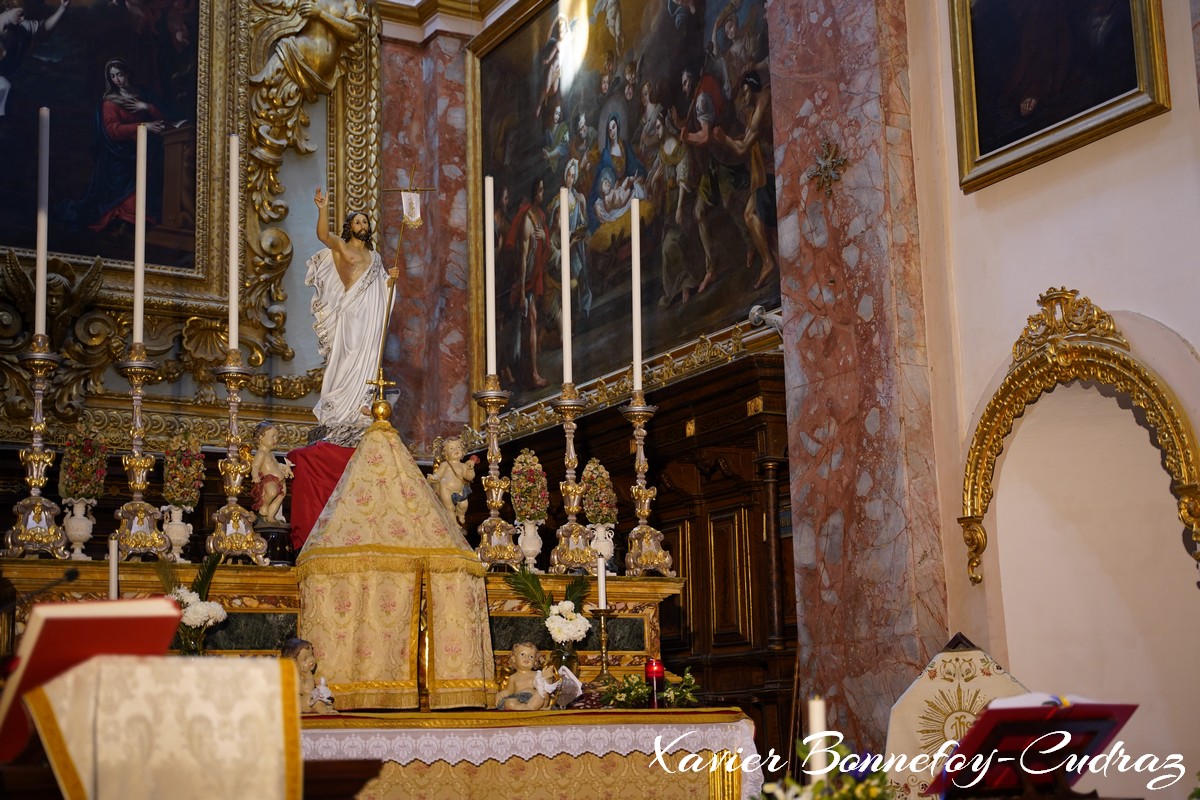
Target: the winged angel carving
pixel 75 327
pixel 303 48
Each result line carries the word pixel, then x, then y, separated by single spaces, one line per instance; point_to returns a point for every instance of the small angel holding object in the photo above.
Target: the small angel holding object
pixel 315 697
pixel 451 478
pixel 269 476
pixel 530 685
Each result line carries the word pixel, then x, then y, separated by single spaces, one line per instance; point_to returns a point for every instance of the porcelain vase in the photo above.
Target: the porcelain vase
pixel 530 542
pixel 178 531
pixel 78 526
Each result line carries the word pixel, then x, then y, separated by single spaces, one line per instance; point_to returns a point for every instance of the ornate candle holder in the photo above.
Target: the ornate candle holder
pixel 496 547
pixel 604 678
pixel 233 532
pixel 572 551
pixel 138 533
pixel 35 529
pixel 645 542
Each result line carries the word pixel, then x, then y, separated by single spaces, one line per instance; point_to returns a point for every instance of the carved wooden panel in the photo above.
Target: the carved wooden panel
pixel 730 597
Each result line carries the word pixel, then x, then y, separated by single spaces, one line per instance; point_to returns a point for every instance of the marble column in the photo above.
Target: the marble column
pixel 424 117
pixel 871 590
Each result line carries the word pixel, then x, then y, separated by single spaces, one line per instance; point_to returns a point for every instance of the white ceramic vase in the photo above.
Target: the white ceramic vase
pixel 178 531
pixel 601 540
pixel 78 526
pixel 530 542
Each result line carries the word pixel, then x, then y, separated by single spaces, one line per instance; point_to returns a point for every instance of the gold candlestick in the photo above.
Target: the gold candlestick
pixel 645 551
pixel 604 678
pixel 496 547
pixel 35 529
pixel 138 532
pixel 573 551
pixel 233 533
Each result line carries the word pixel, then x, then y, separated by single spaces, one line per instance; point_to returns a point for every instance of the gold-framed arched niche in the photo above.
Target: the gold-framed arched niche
pixel 1072 339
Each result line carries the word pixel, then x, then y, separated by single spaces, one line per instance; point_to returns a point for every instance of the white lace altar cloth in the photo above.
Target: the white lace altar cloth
pixel 479 737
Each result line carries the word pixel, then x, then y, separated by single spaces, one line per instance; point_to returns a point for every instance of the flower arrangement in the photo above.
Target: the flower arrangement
pixel 84 467
pixel 199 613
pixel 599 499
pixel 634 692
pixel 565 624
pixel 530 497
pixel 862 784
pixel 183 473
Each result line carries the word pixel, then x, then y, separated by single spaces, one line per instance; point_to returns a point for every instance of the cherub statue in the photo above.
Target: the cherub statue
pixel 315 697
pixel 451 478
pixel 529 686
pixel 68 293
pixel 268 475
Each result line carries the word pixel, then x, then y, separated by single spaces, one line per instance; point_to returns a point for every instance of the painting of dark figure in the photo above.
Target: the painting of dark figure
pixel 667 103
pixel 103 68
pixel 1036 78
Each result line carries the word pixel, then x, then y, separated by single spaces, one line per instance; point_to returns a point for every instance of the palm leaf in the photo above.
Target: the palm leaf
pixel 167 574
pixel 576 592
pixel 529 587
pixel 204 574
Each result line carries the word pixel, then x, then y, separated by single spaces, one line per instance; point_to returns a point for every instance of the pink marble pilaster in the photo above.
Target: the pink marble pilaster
pixel 425 144
pixel 870 583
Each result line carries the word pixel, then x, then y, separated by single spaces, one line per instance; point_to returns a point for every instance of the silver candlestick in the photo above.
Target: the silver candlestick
pixel 645 542
pixel 496 547
pixel 138 532
pixel 35 529
pixel 233 533
pixel 573 552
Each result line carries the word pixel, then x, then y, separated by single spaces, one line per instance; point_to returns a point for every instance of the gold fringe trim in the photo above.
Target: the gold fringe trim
pixel 723 784
pixel 344 688
pixel 429 561
pixel 55 745
pixel 293 764
pixel 459 698
pixel 363 699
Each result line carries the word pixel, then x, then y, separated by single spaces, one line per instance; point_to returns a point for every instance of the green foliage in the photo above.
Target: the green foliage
pixel 633 692
pixel 630 692
pixel 168 575
pixel 1195 795
pixel 833 785
pixel 682 694
pixel 529 586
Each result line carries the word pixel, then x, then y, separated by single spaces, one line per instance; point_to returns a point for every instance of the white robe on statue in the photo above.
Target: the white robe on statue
pixel 349 326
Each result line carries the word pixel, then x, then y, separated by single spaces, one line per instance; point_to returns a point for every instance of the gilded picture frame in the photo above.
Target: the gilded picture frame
pixel 536 72
pixel 1035 80
pixel 240 73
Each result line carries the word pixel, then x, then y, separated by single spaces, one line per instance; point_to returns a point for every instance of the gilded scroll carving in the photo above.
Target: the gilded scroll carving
pixel 1071 339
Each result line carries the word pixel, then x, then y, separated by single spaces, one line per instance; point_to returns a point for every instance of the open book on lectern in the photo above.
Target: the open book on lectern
pixel 1029 743
pixel 58 636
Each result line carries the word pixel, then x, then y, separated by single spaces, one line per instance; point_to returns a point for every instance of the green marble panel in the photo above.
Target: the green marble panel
pixel 256 631
pixel 624 633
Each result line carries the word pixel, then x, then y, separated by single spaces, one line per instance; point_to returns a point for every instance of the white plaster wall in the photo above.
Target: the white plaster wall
pixel 1100 596
pixel 1119 220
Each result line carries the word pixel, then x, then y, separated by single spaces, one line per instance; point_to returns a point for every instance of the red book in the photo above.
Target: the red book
pixel 59 636
pixel 1030 741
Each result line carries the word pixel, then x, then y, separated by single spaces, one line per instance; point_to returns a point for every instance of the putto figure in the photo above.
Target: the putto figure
pixel 269 476
pixel 452 477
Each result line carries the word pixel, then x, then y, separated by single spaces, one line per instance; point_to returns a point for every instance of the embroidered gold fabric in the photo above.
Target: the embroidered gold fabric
pixel 384 558
pixel 133 727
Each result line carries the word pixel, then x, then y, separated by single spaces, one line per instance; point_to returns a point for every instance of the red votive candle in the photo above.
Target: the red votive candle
pixel 655 675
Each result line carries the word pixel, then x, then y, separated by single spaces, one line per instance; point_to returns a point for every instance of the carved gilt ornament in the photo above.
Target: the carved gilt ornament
pixel 1071 339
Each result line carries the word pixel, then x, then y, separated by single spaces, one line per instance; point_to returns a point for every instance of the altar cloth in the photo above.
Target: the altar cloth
pixel 541 753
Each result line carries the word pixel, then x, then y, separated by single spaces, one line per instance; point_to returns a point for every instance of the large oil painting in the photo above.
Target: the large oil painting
pixel 668 102
pixel 102 67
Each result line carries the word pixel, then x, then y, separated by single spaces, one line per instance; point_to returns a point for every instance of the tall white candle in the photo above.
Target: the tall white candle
pixel 234 265
pixel 636 274
pixel 139 238
pixel 564 233
pixel 113 588
pixel 819 759
pixel 43 219
pixel 601 575
pixel 489 269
